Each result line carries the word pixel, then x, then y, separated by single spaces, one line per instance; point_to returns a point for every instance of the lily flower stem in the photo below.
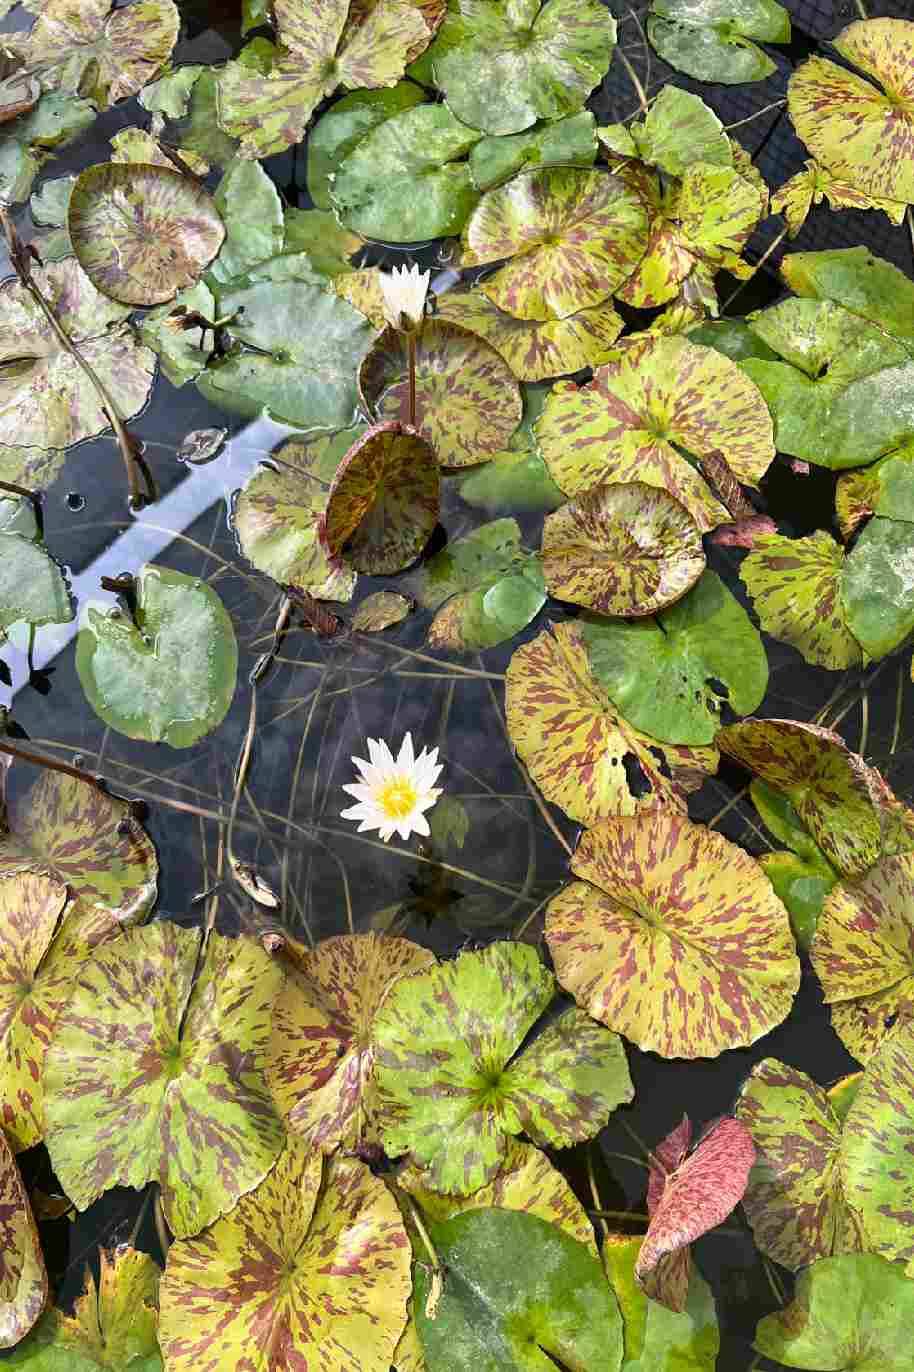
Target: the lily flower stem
pixel 26 755
pixel 436 1283
pixel 411 346
pixel 14 489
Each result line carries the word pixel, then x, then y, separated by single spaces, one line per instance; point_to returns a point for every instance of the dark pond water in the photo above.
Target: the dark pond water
pixel 324 697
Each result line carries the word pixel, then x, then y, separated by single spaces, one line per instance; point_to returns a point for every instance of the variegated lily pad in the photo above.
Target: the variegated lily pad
pixel 815 183
pixel 129 1093
pixel 379 611
pixel 46 396
pixel 854 128
pixel 658 398
pixel 795 585
pixel 673 936
pixel 503 67
pixel 23 1279
pixel 678 129
pixel 113 1324
pixel 382 507
pixel 27 142
pixel 142 233
pixel 312 1268
pixel 573 236
pixel 279 513
pixel 688 1194
pixel 626 549
pixel 655 1337
pixel 581 752
pixel 863 953
pixel 712 40
pixel 468 403
pixel 536 350
pixel 321 1053
pixel 886 488
pixel 452 1085
pixel 319 49
pixel 796 1201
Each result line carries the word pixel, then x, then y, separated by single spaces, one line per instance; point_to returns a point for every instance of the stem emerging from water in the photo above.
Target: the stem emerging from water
pixel 411 347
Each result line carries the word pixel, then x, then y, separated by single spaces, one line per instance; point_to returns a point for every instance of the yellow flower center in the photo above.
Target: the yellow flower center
pixel 396 798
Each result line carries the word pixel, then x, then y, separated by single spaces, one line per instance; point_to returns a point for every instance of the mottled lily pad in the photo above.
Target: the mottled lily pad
pixel 48 207
pixel 688 1194
pixel 886 488
pixel 383 502
pixel 795 585
pixel 815 184
pixel 678 129
pixel 468 403
pixel 192 1070
pixel 170 673
pixel 32 587
pixel 624 549
pixel 572 237
pixel 877 586
pixel 669 675
pixel 657 399
pixel 47 396
pixel 321 1054
pixel 848 123
pixel 23 1279
pixel 312 1267
pixel 279 513
pixel 681 976
pixel 451 1088
pixel 499 1310
pixel 581 752
pixel 113 1324
pixel 379 611
pixel 711 40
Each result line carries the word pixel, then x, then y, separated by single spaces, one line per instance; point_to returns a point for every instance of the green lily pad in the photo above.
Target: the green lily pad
pixel 886 488
pixel 27 142
pixel 669 675
pixel 252 213
pixel 518 1293
pixel 732 337
pixel 170 675
pixel 864 284
pixel 572 237
pixel 279 514
pixel 23 1278
pixel 803 876
pixel 877 586
pixel 516 481
pixel 183 353
pixel 404 181
pixel 795 585
pixel 624 549
pixel 580 751
pixel 344 125
pixel 453 1083
pixel 679 129
pixel 48 397
pixel 48 206
pixel 170 95
pixel 507 66
pixel 311 1267
pixel 194 1069
pixel 711 40
pixel 317 232
pixel 570 141
pixel 198 132
pixel 318 51
pixel 849 1311
pixel 658 1339
pixel 871 417
pixel 32 587
pixel 468 403
pixel 142 233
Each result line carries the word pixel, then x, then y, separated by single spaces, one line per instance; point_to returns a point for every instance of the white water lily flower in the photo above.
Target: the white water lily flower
pixel 394 793
pixel 404 291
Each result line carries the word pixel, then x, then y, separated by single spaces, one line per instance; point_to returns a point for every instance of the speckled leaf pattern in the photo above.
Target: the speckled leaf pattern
pixel 863 953
pixel 795 1202
pixel 836 795
pixel 379 611
pixel 23 1279
pixel 573 236
pixel 152 1079
pixel 278 516
pixel 886 488
pixel 625 549
pixel 362 291
pixel 113 1324
pixel 657 396
pixel 270 111
pixel 795 588
pixel 320 1053
pixel 309 1273
pixel 383 502
pixel 536 350
pixel 673 936
pixel 693 1196
pixel 142 233
pixel 847 122
pixel 813 184
pixel 432 11
pixel 577 746
pixel 468 403
pixel 86 48
pixel 52 400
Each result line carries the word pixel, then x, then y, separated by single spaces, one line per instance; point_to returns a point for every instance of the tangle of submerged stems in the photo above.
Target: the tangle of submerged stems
pixel 772 247
pixel 766 109
pixel 635 80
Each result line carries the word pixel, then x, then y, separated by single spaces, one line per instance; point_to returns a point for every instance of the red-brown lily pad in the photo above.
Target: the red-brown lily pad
pixel 383 502
pixel 23 1279
pixel 673 936
pixel 468 403
pixel 624 549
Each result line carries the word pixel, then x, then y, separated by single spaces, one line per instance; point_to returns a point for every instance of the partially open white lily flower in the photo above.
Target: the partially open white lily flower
pixel 393 794
pixel 404 291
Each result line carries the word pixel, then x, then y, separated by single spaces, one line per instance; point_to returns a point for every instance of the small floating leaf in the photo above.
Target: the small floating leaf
pixel 27 142
pixel 678 130
pixel 379 611
pixel 32 587
pixel 802 877
pixel 170 675
pixel 795 586
pixel 711 40
pixel 183 353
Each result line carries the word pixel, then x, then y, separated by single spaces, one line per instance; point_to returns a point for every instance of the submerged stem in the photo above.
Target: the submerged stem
pixel 436 1285
pixel 25 755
